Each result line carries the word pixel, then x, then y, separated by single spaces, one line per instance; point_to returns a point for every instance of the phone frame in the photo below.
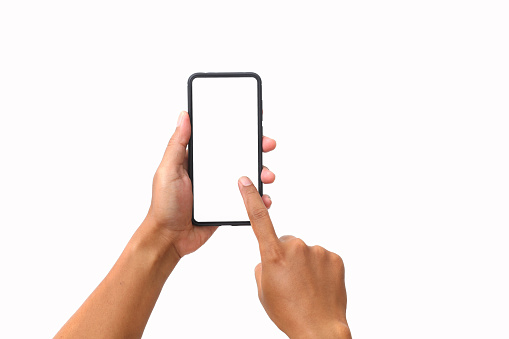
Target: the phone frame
pixel 260 135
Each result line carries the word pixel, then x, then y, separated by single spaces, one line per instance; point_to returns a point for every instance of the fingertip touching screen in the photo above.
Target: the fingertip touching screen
pixel 226 145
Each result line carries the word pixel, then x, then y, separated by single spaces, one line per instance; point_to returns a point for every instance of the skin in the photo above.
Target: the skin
pixel 122 303
pixel 302 288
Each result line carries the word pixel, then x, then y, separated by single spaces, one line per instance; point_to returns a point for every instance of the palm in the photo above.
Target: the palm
pixel 172 206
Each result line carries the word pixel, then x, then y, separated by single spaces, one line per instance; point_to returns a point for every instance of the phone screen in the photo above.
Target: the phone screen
pixel 226 145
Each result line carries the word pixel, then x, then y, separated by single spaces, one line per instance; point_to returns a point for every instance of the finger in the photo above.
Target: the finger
pixel 175 154
pixel 267 176
pixel 268 144
pixel 286 238
pixel 267 200
pixel 258 277
pixel 258 215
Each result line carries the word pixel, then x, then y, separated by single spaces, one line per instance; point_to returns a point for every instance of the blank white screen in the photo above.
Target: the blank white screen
pixel 225 145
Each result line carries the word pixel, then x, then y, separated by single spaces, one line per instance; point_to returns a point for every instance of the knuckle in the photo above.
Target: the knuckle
pixel 171 142
pixel 258 213
pixel 286 237
pixel 273 254
pixel 297 244
pixel 300 243
pixel 251 191
pixel 319 250
pixel 338 261
pixel 165 175
pixel 174 144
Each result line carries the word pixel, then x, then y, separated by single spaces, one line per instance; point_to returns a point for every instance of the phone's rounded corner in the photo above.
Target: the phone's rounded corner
pixel 196 222
pixel 256 76
pixel 192 77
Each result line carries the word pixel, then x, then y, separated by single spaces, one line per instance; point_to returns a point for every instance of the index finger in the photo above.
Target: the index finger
pixel 258 215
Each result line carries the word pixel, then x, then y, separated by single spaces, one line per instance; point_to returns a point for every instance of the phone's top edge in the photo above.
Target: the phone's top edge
pixel 223 75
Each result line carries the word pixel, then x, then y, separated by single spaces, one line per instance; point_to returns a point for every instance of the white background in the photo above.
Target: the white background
pixel 225 146
pixel 392 125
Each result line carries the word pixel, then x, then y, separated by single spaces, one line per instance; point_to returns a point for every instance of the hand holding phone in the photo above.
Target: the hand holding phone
pixel 172 196
pixel 122 303
pixel 302 288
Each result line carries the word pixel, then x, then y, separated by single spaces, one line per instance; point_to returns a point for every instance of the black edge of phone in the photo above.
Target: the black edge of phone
pixel 260 135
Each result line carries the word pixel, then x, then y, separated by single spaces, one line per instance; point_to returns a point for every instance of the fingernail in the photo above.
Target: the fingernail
pixel 245 181
pixel 269 197
pixel 181 116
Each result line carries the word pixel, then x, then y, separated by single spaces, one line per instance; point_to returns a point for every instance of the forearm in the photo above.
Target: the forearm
pixel 121 305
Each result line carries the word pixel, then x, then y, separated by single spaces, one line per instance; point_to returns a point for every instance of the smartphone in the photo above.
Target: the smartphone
pixel 226 143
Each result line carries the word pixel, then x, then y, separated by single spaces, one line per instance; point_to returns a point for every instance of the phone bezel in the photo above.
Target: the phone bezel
pixel 260 135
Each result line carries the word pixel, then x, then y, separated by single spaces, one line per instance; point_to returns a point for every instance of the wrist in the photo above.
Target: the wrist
pixel 154 247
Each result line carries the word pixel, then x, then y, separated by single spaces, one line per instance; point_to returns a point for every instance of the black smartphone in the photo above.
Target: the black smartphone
pixel 226 143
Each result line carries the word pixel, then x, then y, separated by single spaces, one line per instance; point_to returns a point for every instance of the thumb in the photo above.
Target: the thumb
pixel 175 154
